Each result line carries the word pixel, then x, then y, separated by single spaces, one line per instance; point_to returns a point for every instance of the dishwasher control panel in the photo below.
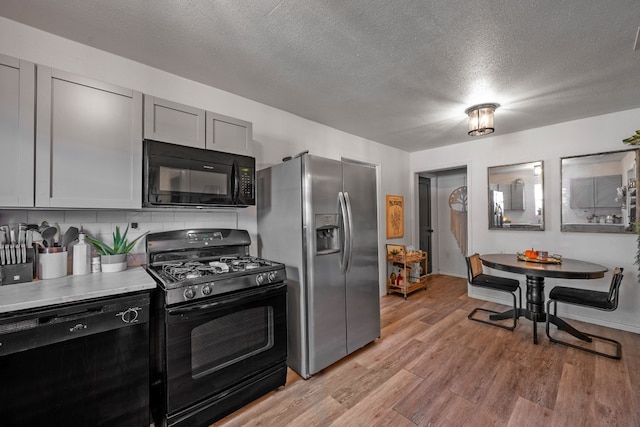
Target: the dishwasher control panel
pixel 37 328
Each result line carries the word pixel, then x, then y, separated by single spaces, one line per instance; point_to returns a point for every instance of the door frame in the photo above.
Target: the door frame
pixel 431 172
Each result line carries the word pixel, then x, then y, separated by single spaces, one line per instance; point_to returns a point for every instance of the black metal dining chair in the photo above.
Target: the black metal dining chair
pixel 476 277
pixel 600 300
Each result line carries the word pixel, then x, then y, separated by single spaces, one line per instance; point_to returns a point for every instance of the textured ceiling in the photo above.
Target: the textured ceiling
pixel 397 72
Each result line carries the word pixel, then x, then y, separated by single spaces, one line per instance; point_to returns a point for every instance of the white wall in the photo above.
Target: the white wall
pixel 276 133
pixel 591 135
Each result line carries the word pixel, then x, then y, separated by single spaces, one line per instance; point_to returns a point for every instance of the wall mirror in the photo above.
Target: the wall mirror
pixel 599 192
pixel 516 197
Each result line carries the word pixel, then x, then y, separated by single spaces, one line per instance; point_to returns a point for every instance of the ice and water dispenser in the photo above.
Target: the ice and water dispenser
pixel 327 234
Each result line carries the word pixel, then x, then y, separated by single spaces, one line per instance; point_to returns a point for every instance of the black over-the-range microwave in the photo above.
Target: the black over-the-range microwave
pixel 175 175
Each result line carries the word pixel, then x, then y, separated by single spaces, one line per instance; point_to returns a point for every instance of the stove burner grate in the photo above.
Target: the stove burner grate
pixel 194 269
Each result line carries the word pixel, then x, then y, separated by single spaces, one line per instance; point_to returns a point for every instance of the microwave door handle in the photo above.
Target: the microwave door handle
pixel 236 182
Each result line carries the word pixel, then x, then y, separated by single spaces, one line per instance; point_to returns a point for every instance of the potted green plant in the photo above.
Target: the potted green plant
pixel 114 258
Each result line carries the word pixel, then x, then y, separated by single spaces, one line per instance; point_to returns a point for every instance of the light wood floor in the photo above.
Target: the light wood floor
pixel 434 367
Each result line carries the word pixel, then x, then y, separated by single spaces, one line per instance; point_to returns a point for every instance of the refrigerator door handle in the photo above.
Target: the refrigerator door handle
pixel 348 232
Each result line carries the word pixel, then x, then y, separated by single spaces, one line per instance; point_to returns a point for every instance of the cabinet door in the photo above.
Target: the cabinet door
pixel 228 134
pixel 506 196
pixel 517 197
pixel 89 143
pixel 17 114
pixel 606 191
pixel 175 123
pixel 582 191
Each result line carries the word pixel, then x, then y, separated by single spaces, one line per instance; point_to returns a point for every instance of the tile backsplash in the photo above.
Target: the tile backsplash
pixel 102 223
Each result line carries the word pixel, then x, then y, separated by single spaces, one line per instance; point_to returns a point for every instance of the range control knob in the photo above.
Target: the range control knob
pixel 260 279
pixel 206 289
pixel 189 293
pixel 130 315
pixel 272 276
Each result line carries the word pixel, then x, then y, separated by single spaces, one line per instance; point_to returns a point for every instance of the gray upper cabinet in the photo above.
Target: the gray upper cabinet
pixel 512 196
pixel 517 197
pixel 169 121
pixel 595 192
pixel 606 191
pixel 582 190
pixel 17 115
pixel 88 143
pixel 228 134
pixel 182 124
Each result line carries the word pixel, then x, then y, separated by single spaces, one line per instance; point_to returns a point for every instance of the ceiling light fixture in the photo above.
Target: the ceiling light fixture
pixel 481 119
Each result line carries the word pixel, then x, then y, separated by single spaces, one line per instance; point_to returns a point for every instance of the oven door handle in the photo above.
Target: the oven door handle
pixel 184 310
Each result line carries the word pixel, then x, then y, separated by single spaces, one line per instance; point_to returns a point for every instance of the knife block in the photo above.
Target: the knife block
pixel 16 273
pixel 19 273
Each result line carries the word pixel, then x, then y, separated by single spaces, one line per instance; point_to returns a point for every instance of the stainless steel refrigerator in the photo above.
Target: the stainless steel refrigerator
pixel 319 217
pixel 496 208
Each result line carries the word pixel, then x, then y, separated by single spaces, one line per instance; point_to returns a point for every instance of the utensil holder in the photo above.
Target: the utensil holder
pixel 52 262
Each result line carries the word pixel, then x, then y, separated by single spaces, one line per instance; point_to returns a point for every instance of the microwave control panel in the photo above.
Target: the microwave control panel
pixel 246 183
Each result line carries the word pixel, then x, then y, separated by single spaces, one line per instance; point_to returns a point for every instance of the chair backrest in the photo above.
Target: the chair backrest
pixel 474 266
pixel 615 286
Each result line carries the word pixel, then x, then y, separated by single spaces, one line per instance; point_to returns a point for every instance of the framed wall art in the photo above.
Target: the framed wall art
pixel 395 216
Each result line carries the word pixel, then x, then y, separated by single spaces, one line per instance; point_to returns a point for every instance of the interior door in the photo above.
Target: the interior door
pixel 426 229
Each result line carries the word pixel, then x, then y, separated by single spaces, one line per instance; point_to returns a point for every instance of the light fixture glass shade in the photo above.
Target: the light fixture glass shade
pixel 481 119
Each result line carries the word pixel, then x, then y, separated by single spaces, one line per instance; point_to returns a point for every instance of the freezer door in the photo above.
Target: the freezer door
pixel 362 289
pixel 326 324
pixel 280 228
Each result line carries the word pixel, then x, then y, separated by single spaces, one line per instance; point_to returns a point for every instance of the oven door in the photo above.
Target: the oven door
pixel 215 344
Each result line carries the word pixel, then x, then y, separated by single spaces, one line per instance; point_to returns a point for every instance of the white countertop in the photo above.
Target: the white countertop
pixel 43 293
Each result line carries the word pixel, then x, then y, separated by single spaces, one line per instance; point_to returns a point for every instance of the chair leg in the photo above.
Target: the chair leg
pixel 488 322
pixel 617 355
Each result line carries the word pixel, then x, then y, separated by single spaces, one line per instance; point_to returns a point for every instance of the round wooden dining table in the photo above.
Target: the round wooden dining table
pixel 535 273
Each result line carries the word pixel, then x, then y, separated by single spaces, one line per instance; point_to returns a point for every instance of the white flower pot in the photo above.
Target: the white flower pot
pixel 113 263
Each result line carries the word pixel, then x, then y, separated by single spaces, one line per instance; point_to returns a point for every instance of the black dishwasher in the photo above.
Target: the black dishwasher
pixel 83 364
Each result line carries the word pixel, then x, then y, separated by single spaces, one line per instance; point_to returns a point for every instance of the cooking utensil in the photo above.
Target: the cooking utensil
pixel 22 233
pixel 48 234
pixel 4 229
pixel 10 253
pixel 69 236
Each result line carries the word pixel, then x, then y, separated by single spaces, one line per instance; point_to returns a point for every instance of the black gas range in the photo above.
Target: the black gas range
pixel 219 329
pixel 196 264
